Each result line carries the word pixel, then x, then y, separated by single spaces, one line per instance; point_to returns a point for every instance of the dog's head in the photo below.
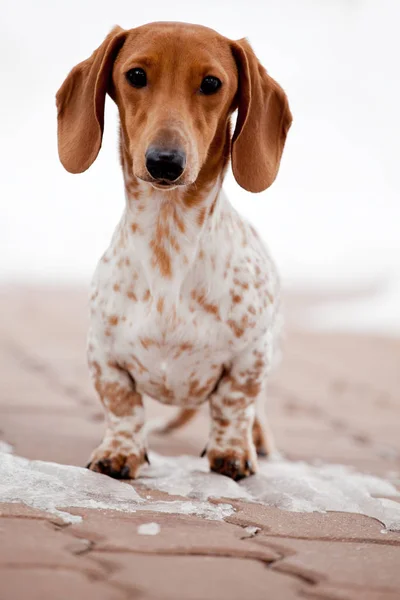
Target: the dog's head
pixel 176 86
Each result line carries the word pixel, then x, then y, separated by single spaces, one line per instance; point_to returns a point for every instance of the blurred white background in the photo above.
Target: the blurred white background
pixel 332 218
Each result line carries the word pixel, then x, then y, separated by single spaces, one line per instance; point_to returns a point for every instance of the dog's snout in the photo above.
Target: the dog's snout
pixel 165 163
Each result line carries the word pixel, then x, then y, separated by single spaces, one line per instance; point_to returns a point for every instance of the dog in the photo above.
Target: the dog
pixel 185 301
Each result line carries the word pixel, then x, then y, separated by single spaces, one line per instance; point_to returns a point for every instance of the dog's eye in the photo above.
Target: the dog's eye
pixel 137 77
pixel 210 85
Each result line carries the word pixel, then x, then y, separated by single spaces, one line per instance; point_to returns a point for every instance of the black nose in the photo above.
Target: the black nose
pixel 167 164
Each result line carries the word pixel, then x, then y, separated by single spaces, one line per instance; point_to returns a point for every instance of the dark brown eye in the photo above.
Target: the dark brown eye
pixel 210 85
pixel 137 77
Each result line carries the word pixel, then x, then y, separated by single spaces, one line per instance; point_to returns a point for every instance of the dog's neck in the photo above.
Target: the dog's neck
pixel 168 228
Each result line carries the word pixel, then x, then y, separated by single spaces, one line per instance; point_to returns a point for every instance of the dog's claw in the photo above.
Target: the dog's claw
pixel 124 473
pixel 204 452
pixel 146 457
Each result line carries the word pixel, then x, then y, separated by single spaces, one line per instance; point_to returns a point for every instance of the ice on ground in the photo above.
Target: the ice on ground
pixel 293 486
pixel 149 529
pixel 51 487
pixel 6 448
pixel 252 530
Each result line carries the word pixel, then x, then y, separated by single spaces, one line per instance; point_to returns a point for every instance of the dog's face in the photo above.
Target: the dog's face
pixel 176 86
pixel 174 90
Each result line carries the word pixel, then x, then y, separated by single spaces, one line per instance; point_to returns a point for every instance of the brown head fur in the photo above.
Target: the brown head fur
pixel 171 109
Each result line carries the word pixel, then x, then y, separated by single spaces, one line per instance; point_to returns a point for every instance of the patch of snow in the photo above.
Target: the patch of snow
pixel 149 529
pixel 5 447
pixel 252 530
pixel 293 486
pixel 51 487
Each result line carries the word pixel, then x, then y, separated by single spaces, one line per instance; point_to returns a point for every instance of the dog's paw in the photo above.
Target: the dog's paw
pixel 119 463
pixel 234 464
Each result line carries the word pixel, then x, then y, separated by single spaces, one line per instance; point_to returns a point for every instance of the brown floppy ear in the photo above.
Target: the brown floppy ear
pixel 80 105
pixel 262 124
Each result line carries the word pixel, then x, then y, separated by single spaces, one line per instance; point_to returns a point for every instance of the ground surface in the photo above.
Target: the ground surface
pixel 335 398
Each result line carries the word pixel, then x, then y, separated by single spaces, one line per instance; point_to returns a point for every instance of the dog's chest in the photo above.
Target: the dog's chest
pixel 174 348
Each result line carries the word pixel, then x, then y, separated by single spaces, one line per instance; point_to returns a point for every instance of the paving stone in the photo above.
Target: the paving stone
pixel 36 543
pixel 200 577
pixel 372 566
pixel 11 509
pixel 51 583
pixel 313 526
pixel 323 591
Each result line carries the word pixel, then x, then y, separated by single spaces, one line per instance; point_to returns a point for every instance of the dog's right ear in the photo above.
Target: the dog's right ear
pixel 80 105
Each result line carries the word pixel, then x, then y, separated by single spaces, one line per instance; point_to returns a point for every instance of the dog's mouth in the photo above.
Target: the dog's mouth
pixel 163 184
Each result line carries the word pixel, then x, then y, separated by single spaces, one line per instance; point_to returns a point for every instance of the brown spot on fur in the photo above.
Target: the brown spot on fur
pixel 161 258
pixel 250 388
pixel 146 296
pixel 134 227
pixel 197 392
pixel 147 342
pixel 174 244
pixel 201 216
pixel 236 299
pixel 132 296
pixel 237 329
pixel 165 392
pixel 116 287
pixel 180 224
pixel 139 364
pixel 184 347
pixel 113 320
pixel 117 399
pixel 160 305
pixel 200 298
pixel 93 364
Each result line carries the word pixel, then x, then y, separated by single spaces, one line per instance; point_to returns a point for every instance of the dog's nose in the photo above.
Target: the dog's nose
pixel 163 163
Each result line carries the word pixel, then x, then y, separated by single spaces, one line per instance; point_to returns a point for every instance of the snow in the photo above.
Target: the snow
pixel 149 529
pixel 251 530
pixel 5 447
pixel 50 487
pixel 289 485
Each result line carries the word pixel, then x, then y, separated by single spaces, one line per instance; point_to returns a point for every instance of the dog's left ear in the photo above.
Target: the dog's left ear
pixel 262 124
pixel 80 105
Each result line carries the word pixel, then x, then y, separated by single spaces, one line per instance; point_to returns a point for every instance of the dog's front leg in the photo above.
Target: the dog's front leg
pixel 231 450
pixel 122 450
